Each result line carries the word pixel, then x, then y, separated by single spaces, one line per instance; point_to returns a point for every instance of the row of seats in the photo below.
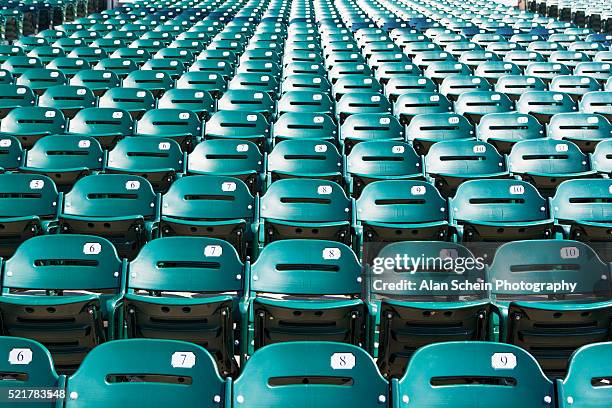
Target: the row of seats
pixel 543 162
pixel 71 292
pixel 307 374
pixel 125 209
pixel 108 125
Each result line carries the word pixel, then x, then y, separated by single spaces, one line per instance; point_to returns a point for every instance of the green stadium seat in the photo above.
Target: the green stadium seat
pixel 424 130
pixel 295 297
pixel 156 82
pixel 7 51
pixel 261 67
pixel 574 85
pixel 554 321
pixel 359 84
pixel 13 96
pixel 590 48
pixel 401 210
pixel 471 372
pixel 201 307
pixel 207 81
pixel 192 45
pixel 568 58
pixel 86 36
pixel 98 81
pixel 200 102
pixel 522 58
pixel 546 163
pixel 474 53
pixel 454 85
pixel 29 205
pixel 174 68
pixel 544 104
pixel 185 56
pixel 17 65
pixel 138 55
pixel 586 379
pixel 311 58
pixel 90 54
pixel 156 159
pixel 347 70
pixel 136 101
pixel 39 79
pixel 516 85
pixel 28 365
pixel 361 103
pixel 440 70
pixel 304 125
pixel 360 127
pixel 119 207
pixel 503 130
pixel 68 44
pixel 68 66
pixel 28 43
pixel 546 71
pixel 216 56
pixel 449 163
pixel 107 125
pixel 67 98
pixel 253 82
pixel 601 159
pixel 64 158
pixel 601 71
pixel 69 309
pixel 500 210
pixel 182 125
pixel 597 102
pixel 493 71
pixel 583 208
pixel 304 208
pixel 410 105
pixel 474 57
pixel 582 129
pixel 211 206
pixel 46 53
pixel 318 381
pixel 6 77
pixel 158 371
pixel 11 153
pixel 305 158
pixel 495 42
pixel 475 104
pixel 303 68
pixel 109 45
pixel 242 125
pixel 398 85
pixel 121 67
pixel 370 161
pixel 389 70
pixel 228 157
pixel 423 59
pixel 305 101
pixel 413 318
pixel 30 123
pixel 305 82
pixel 246 100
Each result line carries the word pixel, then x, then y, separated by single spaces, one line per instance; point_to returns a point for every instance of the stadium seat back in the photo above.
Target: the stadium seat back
pixel 138 366
pixel 486 362
pixel 364 388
